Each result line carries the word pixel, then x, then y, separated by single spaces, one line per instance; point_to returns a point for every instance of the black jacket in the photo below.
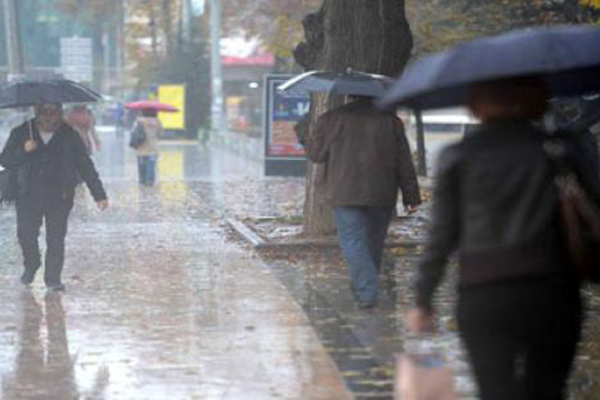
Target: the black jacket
pixel 64 159
pixel 496 203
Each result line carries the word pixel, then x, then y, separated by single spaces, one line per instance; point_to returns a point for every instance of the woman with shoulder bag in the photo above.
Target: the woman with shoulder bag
pixel 496 202
pixel 147 151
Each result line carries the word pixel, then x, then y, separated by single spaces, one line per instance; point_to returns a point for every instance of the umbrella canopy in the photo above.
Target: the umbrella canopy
pixel 25 93
pixel 567 57
pixel 151 105
pixel 346 83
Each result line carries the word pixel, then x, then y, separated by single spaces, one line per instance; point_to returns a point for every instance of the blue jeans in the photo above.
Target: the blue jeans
pixel 147 169
pixel 362 232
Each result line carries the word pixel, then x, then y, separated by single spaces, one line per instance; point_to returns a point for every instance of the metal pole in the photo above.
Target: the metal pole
pixel 217 115
pixel 421 154
pixel 186 16
pixel 106 63
pixel 13 39
pixel 120 45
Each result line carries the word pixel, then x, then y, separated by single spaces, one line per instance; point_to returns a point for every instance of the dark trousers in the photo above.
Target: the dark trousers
pixel 521 337
pixel 30 215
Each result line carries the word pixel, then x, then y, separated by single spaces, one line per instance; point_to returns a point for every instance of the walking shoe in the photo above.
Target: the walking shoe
pixel 56 288
pixel 27 278
pixel 365 305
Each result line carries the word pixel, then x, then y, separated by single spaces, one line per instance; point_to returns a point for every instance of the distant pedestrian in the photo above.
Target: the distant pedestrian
pixel 83 121
pixel 495 201
pixel 367 160
pixel 147 153
pixel 48 156
pixel 119 117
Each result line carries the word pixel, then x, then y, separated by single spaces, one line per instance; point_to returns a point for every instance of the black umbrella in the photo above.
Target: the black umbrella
pixel 25 93
pixel 568 57
pixel 345 83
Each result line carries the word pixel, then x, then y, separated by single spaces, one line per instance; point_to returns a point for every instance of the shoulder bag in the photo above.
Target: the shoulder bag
pixel 138 136
pixel 580 214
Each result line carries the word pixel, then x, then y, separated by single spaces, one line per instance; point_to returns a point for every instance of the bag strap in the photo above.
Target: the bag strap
pixel 576 206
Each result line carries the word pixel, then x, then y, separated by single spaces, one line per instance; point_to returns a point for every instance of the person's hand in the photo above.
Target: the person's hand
pixel 30 145
pixel 419 320
pixel 411 209
pixel 102 204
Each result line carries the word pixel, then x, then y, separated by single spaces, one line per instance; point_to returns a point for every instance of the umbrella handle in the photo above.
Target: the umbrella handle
pixel 30 130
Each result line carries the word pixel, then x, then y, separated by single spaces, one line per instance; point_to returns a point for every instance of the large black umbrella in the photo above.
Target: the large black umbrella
pixel 25 93
pixel 344 83
pixel 568 57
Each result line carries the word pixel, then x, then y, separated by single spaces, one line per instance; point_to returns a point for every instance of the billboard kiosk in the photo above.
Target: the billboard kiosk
pixel 284 156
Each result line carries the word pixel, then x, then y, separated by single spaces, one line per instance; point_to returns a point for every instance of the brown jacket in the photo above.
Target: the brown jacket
pixel 367 156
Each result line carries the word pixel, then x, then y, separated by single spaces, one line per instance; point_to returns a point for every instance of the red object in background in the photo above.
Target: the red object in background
pixel 151 105
pixel 266 59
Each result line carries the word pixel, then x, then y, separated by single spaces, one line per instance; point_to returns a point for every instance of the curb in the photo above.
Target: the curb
pixel 259 242
pixel 246 232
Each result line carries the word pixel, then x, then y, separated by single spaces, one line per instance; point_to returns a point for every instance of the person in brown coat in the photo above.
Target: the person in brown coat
pixel 368 158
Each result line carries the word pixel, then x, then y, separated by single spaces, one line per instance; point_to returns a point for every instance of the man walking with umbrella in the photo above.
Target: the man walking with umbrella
pixel 48 156
pixel 368 159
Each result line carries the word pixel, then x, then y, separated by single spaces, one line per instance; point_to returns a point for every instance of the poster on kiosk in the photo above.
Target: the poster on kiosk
pixel 284 156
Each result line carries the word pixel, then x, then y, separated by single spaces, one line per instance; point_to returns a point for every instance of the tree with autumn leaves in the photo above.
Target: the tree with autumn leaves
pixel 335 34
pixel 155 48
pixel 277 23
pixel 438 24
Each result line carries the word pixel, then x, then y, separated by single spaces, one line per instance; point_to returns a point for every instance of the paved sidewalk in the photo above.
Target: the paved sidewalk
pixel 158 304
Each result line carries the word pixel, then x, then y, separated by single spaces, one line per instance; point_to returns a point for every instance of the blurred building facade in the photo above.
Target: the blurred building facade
pixel 245 63
pixel 42 25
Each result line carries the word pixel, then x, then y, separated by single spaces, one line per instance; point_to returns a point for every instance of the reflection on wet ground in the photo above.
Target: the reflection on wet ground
pixel 160 305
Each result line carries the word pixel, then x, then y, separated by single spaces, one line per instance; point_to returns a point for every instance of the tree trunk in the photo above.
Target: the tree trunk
pixel 371 36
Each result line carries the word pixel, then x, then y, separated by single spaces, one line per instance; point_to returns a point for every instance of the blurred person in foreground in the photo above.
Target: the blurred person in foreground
pixel 368 159
pixel 519 308
pixel 49 157
pixel 147 153
pixel 83 121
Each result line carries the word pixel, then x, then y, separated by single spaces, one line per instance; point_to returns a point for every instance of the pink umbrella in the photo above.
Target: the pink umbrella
pixel 151 105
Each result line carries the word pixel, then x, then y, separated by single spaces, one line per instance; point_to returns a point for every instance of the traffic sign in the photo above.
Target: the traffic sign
pixel 76 58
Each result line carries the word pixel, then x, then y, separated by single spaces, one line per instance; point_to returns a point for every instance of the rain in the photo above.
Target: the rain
pixel 205 255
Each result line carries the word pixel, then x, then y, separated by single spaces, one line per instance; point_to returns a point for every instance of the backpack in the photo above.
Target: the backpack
pixel 138 136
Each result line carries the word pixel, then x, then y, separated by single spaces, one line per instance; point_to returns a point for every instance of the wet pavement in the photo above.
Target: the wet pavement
pixel 158 304
pixel 163 302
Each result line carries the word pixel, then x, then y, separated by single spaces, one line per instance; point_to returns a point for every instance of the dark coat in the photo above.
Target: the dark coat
pixel 367 154
pixel 65 155
pixel 495 201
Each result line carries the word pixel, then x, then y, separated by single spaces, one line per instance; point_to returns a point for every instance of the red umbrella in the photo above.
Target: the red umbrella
pixel 151 105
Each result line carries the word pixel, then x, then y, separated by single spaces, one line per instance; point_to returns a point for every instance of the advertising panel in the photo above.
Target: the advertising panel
pixel 174 95
pixel 283 111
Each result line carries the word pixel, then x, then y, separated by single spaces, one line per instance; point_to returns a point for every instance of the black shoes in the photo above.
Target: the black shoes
pixel 366 305
pixel 27 277
pixel 59 287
